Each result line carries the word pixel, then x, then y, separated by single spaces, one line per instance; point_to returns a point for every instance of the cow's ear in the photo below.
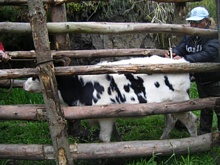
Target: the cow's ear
pixel 64 61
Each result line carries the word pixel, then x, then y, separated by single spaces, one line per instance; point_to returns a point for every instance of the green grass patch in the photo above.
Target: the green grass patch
pixel 144 128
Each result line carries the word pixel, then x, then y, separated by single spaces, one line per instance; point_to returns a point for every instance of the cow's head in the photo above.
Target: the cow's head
pixel 32 84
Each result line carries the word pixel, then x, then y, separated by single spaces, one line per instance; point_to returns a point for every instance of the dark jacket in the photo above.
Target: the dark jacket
pixel 200 49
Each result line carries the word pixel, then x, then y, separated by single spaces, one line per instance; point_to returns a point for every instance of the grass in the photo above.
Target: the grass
pixel 145 128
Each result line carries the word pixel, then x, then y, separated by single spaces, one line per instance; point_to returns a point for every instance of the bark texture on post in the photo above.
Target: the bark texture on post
pixel 56 120
pixel 62 42
pixel 58 14
pixel 167 147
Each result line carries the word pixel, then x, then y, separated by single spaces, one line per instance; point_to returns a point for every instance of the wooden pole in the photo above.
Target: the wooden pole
pixel 62 42
pixel 90 53
pixel 38 112
pixel 58 14
pixel 117 69
pixel 108 28
pixel 168 147
pixel 56 120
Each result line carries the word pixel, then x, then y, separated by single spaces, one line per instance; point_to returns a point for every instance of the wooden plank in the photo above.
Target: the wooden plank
pixel 56 120
pixel 108 28
pixel 58 14
pixel 168 147
pixel 119 69
pixel 38 112
pixel 89 53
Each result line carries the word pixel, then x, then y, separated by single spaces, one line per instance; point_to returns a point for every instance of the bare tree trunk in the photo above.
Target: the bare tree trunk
pixel 56 120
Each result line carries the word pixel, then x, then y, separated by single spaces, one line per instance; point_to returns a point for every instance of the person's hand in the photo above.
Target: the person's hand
pixel 167 54
pixel 4 56
pixel 177 57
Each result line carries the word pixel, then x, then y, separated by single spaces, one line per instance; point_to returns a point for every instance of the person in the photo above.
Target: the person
pixel 201 49
pixel 3 56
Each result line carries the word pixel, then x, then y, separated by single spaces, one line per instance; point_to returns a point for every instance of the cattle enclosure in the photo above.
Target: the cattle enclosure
pixel 40 152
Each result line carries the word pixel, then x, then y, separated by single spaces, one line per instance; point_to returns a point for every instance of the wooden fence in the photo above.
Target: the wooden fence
pixel 61 151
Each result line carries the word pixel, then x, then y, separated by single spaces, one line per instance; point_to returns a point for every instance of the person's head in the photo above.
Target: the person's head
pixel 199 17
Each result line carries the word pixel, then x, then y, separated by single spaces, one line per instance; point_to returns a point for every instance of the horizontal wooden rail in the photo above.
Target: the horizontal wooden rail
pixel 11 83
pixel 38 112
pixel 114 149
pixel 108 28
pixel 90 53
pixel 119 69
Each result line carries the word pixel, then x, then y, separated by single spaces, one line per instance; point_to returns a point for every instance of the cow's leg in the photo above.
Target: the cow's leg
pixel 190 121
pixel 106 126
pixel 169 124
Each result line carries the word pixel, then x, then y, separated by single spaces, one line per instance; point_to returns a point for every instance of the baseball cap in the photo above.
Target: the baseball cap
pixel 198 13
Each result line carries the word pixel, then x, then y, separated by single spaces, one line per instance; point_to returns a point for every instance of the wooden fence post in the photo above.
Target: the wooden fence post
pixel 62 42
pixel 56 120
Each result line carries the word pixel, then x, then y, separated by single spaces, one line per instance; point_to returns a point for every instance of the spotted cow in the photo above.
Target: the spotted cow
pixel 80 90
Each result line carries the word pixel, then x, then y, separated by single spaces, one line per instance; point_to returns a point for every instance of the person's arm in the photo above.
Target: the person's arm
pixel 209 53
pixel 180 49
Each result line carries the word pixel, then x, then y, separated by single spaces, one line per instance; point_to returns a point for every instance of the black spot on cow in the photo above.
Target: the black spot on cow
pixel 132 99
pixel 109 91
pixel 113 88
pixel 167 82
pixel 157 84
pixel 127 88
pixel 86 96
pixel 74 89
pixel 113 101
pixel 70 87
pixel 137 84
pixel 108 77
pixel 99 89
